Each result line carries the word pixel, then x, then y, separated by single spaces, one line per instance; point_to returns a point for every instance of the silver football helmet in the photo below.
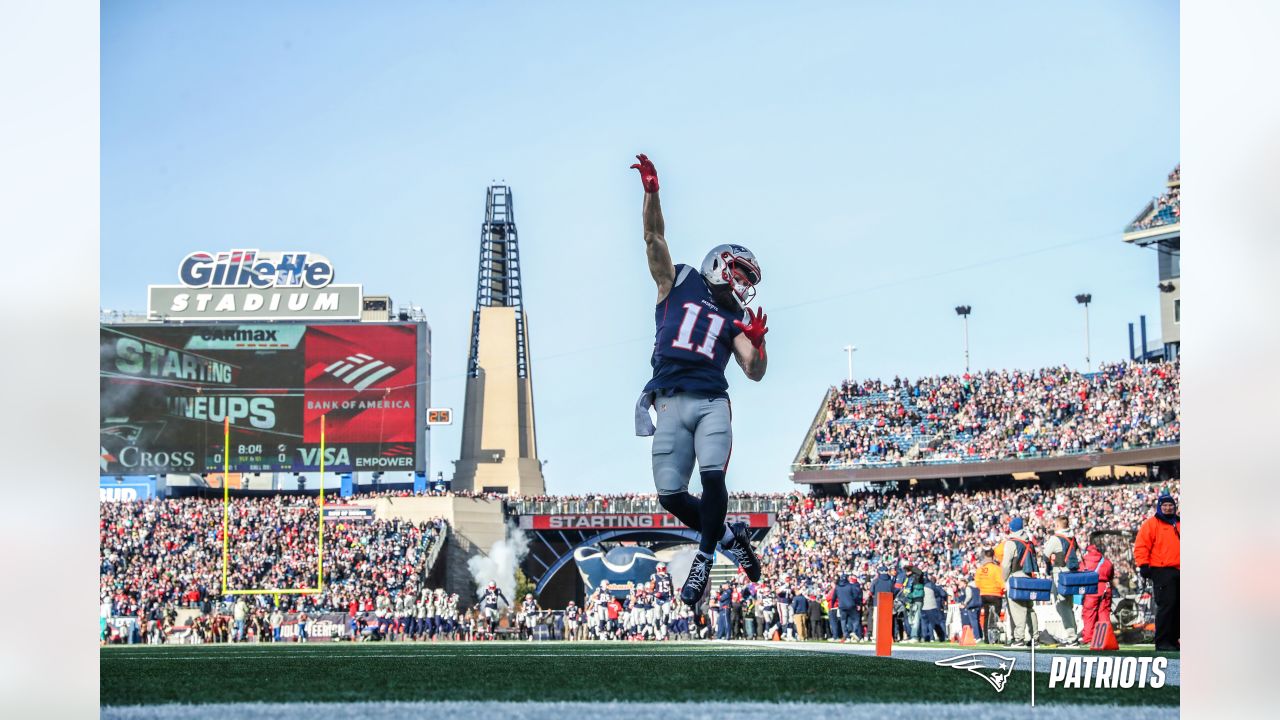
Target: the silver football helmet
pixel 717 270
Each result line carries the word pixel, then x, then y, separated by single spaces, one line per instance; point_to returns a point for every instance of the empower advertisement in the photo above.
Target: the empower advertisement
pixel 165 390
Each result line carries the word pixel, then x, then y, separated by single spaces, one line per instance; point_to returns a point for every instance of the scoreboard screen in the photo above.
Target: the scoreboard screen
pixel 166 389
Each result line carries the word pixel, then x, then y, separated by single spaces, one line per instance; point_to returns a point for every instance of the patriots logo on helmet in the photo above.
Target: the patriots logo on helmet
pixel 980 664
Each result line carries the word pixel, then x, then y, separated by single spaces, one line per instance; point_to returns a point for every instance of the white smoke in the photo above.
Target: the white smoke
pixel 500 564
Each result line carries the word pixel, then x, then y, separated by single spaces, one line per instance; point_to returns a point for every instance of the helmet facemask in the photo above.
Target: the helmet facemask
pixel 743 293
pixel 726 287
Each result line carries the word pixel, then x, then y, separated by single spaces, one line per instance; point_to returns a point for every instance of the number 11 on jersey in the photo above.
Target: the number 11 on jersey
pixel 684 339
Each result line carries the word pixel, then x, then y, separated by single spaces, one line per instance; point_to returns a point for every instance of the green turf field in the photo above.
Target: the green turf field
pixel 515 671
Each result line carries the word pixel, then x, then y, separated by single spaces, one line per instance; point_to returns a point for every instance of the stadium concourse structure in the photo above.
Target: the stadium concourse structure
pixel 1158 227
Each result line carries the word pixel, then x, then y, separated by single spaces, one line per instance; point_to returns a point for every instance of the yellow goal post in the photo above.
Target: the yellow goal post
pixel 226 521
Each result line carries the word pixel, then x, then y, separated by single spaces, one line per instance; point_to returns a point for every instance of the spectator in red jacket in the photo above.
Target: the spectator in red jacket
pixel 613 609
pixel 1097 607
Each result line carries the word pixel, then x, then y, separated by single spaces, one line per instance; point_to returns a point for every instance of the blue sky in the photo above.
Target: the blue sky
pixel 885 162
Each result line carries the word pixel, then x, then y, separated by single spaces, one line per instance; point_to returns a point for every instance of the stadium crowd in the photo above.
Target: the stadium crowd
pixel 823 562
pixel 1166 209
pixel 160 555
pixel 1000 414
pixel 827 557
pixel 631 503
pixel 942 534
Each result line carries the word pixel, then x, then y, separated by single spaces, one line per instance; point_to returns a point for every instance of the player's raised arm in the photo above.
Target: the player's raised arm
pixel 748 347
pixel 655 241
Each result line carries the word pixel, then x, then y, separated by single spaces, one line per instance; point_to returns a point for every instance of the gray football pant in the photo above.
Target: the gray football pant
pixel 1066 607
pixel 1022 619
pixel 689 427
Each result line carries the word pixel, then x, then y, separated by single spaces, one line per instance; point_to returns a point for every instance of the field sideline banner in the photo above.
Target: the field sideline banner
pixel 622 521
pixel 339 513
pixel 113 490
pixel 165 389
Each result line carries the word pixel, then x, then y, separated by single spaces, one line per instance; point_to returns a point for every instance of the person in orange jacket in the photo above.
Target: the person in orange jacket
pixel 991 588
pixel 1157 553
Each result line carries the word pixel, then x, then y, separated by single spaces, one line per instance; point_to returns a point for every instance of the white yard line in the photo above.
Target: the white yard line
pixel 1044 657
pixel 721 653
pixel 631 711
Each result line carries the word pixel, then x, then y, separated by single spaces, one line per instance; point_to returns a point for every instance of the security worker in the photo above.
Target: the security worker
pixel 913 592
pixel 1157 553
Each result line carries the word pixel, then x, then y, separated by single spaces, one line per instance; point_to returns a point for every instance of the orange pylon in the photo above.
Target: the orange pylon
pixel 1103 638
pixel 884 624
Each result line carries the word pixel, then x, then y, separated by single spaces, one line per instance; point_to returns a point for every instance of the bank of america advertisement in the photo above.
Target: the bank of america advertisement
pixel 165 390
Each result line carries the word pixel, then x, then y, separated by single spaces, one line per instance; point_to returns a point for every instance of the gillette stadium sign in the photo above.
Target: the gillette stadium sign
pixel 255 285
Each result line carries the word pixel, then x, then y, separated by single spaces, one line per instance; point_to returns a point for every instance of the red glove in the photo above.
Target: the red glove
pixel 648 173
pixel 755 329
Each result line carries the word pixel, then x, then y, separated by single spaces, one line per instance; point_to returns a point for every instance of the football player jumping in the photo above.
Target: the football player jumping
pixel 700 323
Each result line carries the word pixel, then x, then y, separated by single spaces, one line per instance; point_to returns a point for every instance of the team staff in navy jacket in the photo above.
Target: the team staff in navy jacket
pixel 882 584
pixel 849 600
pixel 800 608
pixel 970 606
pixel 932 618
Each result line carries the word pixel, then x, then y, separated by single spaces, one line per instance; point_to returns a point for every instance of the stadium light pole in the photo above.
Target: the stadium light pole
pixel 850 350
pixel 1084 299
pixel 963 311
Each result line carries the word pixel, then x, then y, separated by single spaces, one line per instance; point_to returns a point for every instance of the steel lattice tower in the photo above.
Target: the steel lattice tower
pixel 498 284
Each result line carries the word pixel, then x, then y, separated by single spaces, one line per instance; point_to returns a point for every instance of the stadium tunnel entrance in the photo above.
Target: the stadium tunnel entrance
pixel 550 567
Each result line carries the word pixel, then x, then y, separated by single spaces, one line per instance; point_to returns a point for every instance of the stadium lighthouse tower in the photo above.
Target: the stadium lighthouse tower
pixel 499 444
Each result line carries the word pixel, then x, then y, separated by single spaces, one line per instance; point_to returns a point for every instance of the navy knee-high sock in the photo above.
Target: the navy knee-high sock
pixel 685 507
pixel 715 503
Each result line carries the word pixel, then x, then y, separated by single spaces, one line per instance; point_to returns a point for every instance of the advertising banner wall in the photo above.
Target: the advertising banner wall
pixel 165 390
pixel 112 490
pixel 657 521
pixel 335 513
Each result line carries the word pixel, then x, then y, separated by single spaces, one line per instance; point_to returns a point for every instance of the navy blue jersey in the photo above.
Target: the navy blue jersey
pixel 694 338
pixel 662 585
